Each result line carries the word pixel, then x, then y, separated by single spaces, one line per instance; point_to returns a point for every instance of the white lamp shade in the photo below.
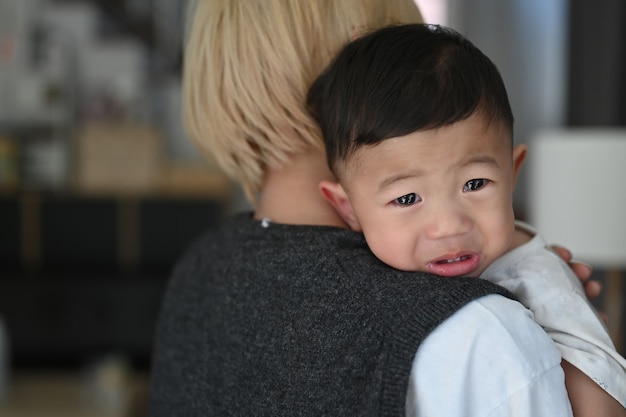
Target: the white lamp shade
pixel 577 192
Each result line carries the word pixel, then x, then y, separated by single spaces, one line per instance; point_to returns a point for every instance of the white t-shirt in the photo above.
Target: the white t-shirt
pixel 547 286
pixel 496 333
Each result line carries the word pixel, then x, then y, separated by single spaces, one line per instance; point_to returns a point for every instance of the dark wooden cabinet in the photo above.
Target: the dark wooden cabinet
pixel 83 276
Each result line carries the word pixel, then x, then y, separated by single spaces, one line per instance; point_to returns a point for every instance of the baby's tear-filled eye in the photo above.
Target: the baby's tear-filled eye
pixel 407 199
pixel 475 184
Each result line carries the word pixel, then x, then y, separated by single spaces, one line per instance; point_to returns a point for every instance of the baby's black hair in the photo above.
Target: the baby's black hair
pixel 401 79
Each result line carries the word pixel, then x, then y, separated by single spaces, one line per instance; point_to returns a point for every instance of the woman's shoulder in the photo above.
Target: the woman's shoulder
pixel 334 256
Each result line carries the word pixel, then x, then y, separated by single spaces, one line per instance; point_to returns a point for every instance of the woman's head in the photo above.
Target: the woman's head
pixel 248 66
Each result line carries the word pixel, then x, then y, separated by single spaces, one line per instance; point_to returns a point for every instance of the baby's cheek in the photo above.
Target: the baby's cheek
pixel 392 249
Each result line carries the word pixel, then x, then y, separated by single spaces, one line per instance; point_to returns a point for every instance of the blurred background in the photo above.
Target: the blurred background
pixel 100 189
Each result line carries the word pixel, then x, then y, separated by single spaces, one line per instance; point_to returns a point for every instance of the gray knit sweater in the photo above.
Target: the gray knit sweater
pixel 293 321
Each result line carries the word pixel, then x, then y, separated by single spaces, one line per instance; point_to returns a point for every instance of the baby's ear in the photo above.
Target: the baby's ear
pixel 334 193
pixel 519 155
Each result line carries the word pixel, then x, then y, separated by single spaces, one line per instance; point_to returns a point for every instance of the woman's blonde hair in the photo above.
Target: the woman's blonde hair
pixel 247 68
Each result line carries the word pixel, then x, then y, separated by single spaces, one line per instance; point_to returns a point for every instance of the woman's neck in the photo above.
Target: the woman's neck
pixel 290 194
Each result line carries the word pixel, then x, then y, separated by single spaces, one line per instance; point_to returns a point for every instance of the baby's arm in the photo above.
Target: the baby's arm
pixel 547 286
pixel 586 397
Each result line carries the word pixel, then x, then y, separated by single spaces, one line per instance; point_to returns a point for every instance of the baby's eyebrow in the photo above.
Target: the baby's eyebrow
pixel 474 160
pixel 481 160
pixel 386 182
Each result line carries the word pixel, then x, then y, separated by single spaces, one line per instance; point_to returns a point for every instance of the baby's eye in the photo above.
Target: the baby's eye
pixel 407 199
pixel 475 184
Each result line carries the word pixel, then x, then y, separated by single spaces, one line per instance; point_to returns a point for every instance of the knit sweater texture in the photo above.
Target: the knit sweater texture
pixel 293 321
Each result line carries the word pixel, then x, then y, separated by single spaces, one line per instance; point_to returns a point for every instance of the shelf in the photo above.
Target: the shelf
pixel 63 394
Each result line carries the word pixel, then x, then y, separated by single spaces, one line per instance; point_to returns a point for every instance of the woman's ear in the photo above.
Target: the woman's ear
pixel 519 155
pixel 334 193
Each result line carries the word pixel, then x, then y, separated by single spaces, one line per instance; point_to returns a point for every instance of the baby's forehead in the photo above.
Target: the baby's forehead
pixel 474 134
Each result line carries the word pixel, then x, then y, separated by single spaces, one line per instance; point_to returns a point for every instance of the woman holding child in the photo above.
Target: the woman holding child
pixel 285 311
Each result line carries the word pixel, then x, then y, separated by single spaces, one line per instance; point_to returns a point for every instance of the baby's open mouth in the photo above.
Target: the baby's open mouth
pixel 459 259
pixel 460 265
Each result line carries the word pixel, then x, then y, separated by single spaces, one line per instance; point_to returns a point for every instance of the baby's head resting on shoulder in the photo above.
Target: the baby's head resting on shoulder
pixel 418 130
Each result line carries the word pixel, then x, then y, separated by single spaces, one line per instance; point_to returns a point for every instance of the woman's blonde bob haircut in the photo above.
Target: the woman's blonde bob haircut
pixel 247 68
